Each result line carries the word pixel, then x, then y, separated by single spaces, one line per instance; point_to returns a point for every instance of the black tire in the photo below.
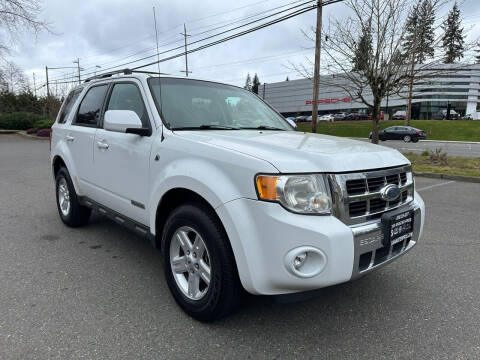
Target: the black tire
pixel 77 214
pixel 407 138
pixel 224 292
pixel 415 140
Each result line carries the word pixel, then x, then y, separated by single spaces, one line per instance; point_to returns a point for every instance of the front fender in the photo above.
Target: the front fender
pixel 217 185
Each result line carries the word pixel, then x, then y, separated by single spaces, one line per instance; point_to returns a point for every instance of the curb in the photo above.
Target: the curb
pixel 437 141
pixel 33 137
pixel 9 131
pixel 471 179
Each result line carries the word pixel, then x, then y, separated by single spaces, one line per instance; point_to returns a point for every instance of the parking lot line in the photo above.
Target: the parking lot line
pixel 436 185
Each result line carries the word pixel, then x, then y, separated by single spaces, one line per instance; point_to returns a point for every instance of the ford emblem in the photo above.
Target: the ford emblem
pixel 390 192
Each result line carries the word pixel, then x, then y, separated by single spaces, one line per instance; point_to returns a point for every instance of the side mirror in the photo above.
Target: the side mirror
pixel 124 121
pixel 291 122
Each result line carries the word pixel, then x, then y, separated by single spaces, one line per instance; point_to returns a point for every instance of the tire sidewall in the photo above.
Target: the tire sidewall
pixel 62 173
pixel 194 217
pixel 407 138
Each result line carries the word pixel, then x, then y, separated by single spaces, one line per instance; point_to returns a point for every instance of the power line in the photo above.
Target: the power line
pixel 209 37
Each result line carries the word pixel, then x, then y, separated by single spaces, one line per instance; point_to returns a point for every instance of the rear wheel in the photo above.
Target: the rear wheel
pixel 407 138
pixel 415 140
pixel 199 264
pixel 71 212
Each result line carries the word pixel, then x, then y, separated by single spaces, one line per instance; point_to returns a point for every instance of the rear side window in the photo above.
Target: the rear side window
pixel 127 96
pixel 67 105
pixel 91 106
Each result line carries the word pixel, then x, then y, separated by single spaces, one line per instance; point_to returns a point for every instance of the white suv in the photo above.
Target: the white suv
pixel 227 190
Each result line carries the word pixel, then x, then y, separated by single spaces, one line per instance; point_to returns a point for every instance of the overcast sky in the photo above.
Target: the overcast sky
pixel 105 32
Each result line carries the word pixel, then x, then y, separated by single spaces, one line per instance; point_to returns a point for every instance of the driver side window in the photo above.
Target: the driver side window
pixel 127 96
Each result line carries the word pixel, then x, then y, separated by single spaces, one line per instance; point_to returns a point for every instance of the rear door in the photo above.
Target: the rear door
pixel 81 134
pixel 122 160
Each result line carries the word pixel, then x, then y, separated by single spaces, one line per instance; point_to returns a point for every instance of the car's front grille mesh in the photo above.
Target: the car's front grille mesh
pixel 357 196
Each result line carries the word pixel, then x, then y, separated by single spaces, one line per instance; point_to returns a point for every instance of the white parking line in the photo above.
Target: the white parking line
pixel 433 186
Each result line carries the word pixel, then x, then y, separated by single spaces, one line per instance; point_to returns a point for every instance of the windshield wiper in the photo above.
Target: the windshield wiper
pixel 262 127
pixel 206 127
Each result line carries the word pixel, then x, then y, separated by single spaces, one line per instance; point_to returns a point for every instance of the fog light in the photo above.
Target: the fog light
pixel 305 261
pixel 300 260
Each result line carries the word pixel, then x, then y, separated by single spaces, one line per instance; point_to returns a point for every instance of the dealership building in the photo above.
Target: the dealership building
pixel 454 85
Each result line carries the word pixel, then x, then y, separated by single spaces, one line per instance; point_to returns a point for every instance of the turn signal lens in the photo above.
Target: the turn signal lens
pixel 267 187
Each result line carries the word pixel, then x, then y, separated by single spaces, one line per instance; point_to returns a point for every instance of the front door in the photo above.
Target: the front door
pixel 122 160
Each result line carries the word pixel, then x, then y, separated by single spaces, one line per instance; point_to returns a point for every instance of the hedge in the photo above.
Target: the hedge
pixel 23 121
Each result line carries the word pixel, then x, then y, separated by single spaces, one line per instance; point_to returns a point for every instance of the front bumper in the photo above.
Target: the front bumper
pixel 263 235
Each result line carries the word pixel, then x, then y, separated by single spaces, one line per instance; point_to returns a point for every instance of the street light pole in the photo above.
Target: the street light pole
pixel 316 73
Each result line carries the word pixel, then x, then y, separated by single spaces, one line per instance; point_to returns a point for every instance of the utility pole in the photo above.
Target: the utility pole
pixel 34 86
pixel 316 73
pixel 186 55
pixel 78 68
pixel 48 86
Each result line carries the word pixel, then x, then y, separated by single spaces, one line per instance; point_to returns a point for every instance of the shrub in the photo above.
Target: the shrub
pixel 43 124
pixel 439 157
pixel 43 133
pixel 18 120
pixel 31 131
pixel 425 153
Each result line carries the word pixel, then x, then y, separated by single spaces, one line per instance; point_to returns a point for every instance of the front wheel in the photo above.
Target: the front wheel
pixel 199 265
pixel 407 138
pixel 71 212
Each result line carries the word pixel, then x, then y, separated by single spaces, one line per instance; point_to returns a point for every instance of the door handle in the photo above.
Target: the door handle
pixel 102 145
pixel 69 138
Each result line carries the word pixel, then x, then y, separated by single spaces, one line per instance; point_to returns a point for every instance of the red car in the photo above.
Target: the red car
pixel 382 116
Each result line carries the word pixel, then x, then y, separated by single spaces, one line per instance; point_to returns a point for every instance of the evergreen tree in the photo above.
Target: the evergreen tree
pixel 248 83
pixel 363 52
pixel 255 84
pixel 420 35
pixel 453 38
pixel 287 79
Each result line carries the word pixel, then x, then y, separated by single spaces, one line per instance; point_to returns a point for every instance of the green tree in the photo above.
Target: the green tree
pixel 248 83
pixel 363 51
pixel 287 79
pixel 453 38
pixel 420 33
pixel 255 84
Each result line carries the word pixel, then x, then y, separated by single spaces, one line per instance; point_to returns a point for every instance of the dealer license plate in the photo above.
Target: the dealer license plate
pixel 397 227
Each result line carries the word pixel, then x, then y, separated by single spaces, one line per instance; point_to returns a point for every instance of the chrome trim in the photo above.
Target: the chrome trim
pixel 341 200
pixel 368 238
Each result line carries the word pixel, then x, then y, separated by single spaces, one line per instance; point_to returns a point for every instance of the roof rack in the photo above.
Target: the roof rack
pixel 123 71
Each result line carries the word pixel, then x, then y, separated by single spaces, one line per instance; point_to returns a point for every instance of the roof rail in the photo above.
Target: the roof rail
pixel 123 71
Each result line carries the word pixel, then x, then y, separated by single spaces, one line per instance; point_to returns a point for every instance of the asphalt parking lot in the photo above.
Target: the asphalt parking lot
pixel 99 293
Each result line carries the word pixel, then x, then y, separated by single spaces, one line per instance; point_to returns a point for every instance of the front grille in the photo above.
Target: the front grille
pixel 357 196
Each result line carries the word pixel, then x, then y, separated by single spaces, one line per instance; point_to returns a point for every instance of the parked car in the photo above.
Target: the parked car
pixel 322 118
pixel 399 115
pixel 382 116
pixel 442 115
pixel 231 196
pixel 328 117
pixel 303 118
pixel 356 116
pixel 339 116
pixel 405 133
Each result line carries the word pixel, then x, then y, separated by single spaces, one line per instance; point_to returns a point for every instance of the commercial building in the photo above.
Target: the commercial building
pixel 454 85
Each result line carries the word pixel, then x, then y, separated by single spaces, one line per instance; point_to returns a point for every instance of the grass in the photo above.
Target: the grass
pixel 452 130
pixel 456 165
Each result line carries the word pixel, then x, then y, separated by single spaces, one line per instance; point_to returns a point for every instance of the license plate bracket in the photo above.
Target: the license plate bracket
pixel 397 226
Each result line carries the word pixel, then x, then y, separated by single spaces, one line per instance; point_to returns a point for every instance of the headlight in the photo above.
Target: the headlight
pixel 305 194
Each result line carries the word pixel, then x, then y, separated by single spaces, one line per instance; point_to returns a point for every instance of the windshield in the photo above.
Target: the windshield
pixel 193 104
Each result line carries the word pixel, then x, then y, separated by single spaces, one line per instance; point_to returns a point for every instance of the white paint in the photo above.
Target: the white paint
pixel 436 185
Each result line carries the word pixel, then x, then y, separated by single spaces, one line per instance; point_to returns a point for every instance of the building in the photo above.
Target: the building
pixel 454 85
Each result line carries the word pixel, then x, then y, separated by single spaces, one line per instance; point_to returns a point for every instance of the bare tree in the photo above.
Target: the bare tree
pixel 17 17
pixel 12 78
pixel 376 30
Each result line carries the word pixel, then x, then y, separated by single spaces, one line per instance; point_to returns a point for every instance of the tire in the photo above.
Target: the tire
pixel 407 138
pixel 195 222
pixel 71 212
pixel 415 140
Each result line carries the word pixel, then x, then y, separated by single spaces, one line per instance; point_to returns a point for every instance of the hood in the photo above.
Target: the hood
pixel 297 152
